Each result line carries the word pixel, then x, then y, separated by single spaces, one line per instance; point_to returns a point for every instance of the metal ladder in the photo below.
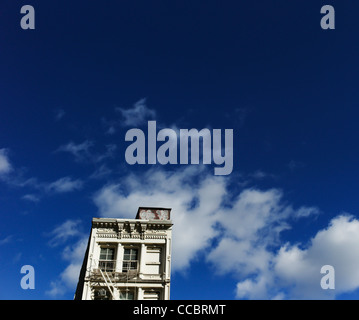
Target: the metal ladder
pixel 108 282
pixel 104 275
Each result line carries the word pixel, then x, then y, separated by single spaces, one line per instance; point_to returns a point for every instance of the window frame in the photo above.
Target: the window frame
pixel 96 296
pixel 125 293
pixel 104 262
pixel 129 261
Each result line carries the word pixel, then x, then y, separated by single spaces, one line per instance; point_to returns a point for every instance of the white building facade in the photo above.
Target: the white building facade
pixel 128 259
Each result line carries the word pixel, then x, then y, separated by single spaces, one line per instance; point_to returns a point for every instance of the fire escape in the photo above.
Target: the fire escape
pixel 104 272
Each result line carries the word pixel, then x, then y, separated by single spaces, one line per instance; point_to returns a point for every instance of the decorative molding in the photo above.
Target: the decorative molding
pixel 155 236
pixel 131 229
pixel 107 235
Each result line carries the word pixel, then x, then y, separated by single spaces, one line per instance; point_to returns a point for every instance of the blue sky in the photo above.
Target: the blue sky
pixel 89 72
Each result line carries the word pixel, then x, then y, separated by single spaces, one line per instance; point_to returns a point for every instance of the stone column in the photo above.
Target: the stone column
pixel 119 257
pixel 167 260
pixel 142 261
pixel 139 293
pixel 167 291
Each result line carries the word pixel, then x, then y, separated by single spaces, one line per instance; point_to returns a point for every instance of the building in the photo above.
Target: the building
pixel 128 259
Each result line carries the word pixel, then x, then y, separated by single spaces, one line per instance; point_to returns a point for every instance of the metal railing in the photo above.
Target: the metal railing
pixel 129 265
pixel 105 270
pixel 107 265
pixel 110 265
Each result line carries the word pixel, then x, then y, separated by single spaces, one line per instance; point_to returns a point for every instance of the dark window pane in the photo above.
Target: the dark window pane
pixel 134 255
pixel 111 254
pixel 103 254
pixel 102 294
pixel 126 295
pixel 107 254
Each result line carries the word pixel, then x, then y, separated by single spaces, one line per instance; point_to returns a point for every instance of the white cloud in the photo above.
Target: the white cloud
pixel 137 115
pixel 194 205
pixel 252 226
pixel 12 177
pixel 5 166
pixel 79 151
pixel 61 185
pixel 17 179
pixel 69 277
pixel 82 153
pixel 65 184
pixel 247 228
pixel 253 211
pixel 57 289
pixel 101 172
pixel 31 197
pixel 60 234
pixel 337 246
pixel 241 257
pixel 73 254
pixel 253 288
pixel 293 272
pixel 110 150
pixel 197 199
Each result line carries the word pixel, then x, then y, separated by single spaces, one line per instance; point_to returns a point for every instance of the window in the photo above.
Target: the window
pixel 127 295
pixel 152 294
pixel 130 260
pixel 102 294
pixel 107 259
pixel 153 260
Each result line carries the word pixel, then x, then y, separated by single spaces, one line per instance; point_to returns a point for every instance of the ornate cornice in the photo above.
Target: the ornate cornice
pixel 131 228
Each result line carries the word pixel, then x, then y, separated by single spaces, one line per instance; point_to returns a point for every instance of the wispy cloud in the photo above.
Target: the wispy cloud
pixel 16 178
pixel 59 114
pixel 68 234
pixel 62 185
pixel 137 115
pixel 5 166
pixel 101 172
pixel 295 165
pixel 82 152
pixel 31 197
pixel 6 240
pixel 63 232
pixel 260 174
pixel 68 278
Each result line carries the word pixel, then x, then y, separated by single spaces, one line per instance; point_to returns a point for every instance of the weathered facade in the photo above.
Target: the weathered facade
pixel 128 259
